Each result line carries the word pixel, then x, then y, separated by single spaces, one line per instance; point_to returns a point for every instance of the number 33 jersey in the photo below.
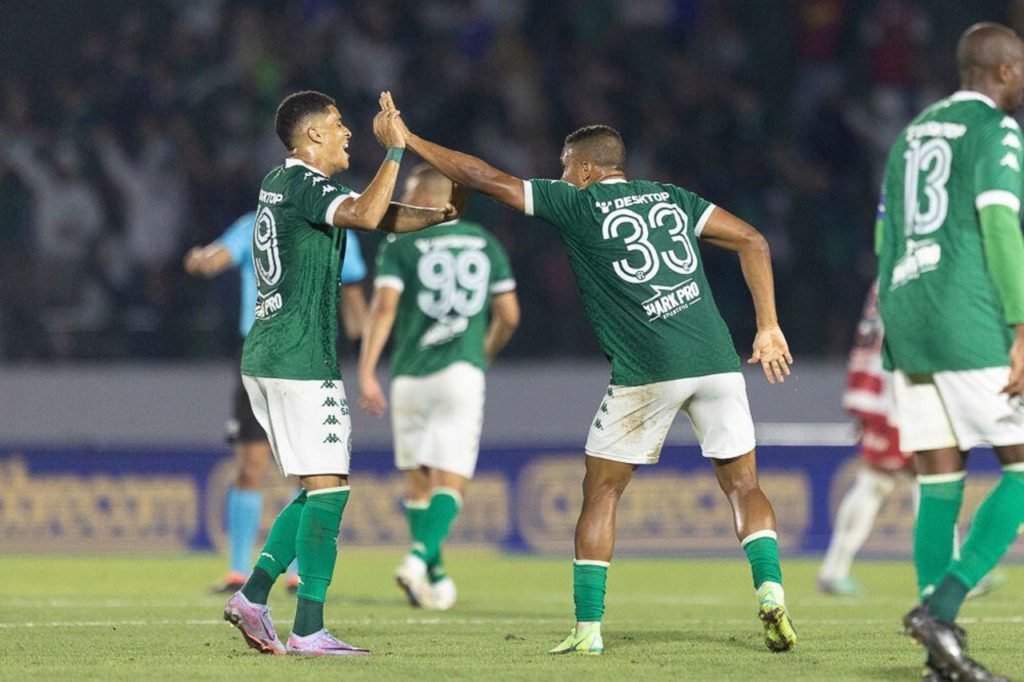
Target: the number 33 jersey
pixel 633 250
pixel 940 307
pixel 446 276
pixel 296 253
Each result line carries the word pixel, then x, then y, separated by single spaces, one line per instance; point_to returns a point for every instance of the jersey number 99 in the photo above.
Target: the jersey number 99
pixel 453 282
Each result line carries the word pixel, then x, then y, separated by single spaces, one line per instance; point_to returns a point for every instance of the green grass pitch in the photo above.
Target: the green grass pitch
pixel 129 617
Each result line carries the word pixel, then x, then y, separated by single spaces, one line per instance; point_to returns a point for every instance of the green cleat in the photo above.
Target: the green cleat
pixel 587 641
pixel 779 633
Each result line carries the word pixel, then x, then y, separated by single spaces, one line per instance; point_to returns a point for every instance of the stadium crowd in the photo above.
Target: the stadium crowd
pixel 150 130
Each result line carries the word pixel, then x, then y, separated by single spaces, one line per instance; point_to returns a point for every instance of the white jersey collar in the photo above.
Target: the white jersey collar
pixel 612 181
pixel 291 161
pixel 966 95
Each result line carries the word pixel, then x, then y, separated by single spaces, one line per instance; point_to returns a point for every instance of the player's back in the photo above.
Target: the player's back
pixel 446 276
pixel 634 252
pixel 941 309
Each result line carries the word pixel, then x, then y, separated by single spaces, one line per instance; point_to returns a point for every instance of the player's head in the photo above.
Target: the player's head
pixel 990 58
pixel 310 122
pixel 427 187
pixel 592 153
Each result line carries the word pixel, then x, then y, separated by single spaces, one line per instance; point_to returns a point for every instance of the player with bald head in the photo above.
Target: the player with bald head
pixel 633 246
pixel 951 294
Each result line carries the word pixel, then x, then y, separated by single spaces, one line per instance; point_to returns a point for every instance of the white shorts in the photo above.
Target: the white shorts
pixel 437 419
pixel 961 409
pixel 307 423
pixel 633 421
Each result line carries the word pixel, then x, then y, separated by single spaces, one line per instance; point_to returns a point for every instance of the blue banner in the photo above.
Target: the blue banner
pixel 522 499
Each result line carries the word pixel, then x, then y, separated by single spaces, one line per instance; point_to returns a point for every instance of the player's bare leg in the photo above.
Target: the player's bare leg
pixel 603 485
pixel 754 521
pixel 244 511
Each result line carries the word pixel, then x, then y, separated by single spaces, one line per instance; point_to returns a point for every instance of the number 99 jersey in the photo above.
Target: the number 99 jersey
pixel 634 253
pixel 941 309
pixel 446 276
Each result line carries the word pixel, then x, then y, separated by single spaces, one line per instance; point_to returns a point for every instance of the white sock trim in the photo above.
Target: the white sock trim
pixel 931 479
pixel 1016 467
pixel 450 492
pixel 327 491
pixel 757 535
pixel 415 504
pixel 590 562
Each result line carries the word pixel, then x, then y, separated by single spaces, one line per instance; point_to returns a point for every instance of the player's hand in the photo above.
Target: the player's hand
pixel 1015 384
pixel 193 262
pixel 371 396
pixel 772 351
pixel 388 127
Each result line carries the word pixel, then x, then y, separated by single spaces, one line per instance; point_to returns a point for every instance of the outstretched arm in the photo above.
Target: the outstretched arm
pixel 770 348
pixel 208 261
pixel 406 218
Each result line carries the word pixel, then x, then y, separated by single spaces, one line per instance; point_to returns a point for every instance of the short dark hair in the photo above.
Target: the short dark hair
pixel 601 144
pixel 294 109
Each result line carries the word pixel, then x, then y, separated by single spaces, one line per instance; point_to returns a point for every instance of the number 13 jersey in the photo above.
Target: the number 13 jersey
pixel 634 253
pixel 446 276
pixel 940 307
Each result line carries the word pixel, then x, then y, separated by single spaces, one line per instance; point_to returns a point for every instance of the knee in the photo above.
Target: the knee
pixel 603 489
pixel 740 485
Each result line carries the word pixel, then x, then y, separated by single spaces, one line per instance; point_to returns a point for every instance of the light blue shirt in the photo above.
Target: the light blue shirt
pixel 237 240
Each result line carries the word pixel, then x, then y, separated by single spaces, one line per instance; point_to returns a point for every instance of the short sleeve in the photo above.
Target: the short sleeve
pixel 695 206
pixel 556 201
pixel 318 198
pixel 502 280
pixel 997 173
pixel 353 267
pixel 237 239
pixel 389 267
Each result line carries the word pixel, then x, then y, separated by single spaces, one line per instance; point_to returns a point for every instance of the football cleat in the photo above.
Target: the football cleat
pixel 779 633
pixel 233 582
pixel 322 643
pixel 587 641
pixel 444 594
pixel 839 587
pixel 411 576
pixel 947 648
pixel 253 621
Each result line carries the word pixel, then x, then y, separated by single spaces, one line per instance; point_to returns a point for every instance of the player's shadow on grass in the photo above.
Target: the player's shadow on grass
pixel 643 640
pixel 891 672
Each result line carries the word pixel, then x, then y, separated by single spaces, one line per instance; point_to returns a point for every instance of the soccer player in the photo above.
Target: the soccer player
pixel 244 504
pixel 951 293
pixel 868 398
pixel 289 362
pixel 437 290
pixel 633 248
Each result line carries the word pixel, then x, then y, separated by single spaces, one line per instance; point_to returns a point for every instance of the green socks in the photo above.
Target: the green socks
pixel 316 545
pixel 437 522
pixel 994 528
pixel 941 497
pixel 589 579
pixel 277 553
pixel 762 548
pixel 416 514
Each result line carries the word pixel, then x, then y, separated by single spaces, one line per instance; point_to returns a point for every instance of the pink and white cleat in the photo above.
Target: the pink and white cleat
pixel 322 643
pixel 253 621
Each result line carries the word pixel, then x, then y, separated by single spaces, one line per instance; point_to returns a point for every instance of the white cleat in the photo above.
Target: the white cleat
pixel 444 594
pixel 411 576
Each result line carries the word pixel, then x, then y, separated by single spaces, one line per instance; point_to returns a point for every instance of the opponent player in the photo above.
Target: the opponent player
pixel 868 398
pixel 441 286
pixel 244 504
pixel 289 361
pixel 951 279
pixel 633 248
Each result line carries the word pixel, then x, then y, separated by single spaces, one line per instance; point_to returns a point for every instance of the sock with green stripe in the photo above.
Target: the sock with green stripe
pixel 316 545
pixel 416 515
pixel 941 496
pixel 278 552
pixel 762 549
pixel 444 507
pixel 589 583
pixel 994 528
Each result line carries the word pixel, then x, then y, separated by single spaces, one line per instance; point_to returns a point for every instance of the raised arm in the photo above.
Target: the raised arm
pixel 406 218
pixel 504 320
pixel 208 261
pixel 770 348
pixel 383 309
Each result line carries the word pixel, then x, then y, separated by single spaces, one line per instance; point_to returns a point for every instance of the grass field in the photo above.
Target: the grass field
pixel 149 618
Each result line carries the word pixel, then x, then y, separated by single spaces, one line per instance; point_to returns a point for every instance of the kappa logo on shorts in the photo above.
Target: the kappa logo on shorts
pixel 330 402
pixel 332 438
pixel 604 407
pixel 327 384
pixel 598 425
pixel 332 420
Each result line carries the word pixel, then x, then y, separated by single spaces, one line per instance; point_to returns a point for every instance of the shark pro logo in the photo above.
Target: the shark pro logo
pixel 668 301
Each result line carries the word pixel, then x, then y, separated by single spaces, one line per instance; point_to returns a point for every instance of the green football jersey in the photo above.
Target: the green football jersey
pixel 296 254
pixel 446 276
pixel 940 307
pixel 633 249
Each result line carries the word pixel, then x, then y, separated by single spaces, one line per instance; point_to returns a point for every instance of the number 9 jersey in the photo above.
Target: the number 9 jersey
pixel 942 311
pixel 446 276
pixel 634 253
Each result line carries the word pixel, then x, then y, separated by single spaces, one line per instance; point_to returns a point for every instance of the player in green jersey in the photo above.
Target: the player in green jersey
pixel 951 271
pixel 634 252
pixel 289 362
pixel 437 290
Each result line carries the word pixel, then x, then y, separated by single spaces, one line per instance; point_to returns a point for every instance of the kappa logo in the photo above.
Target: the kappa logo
pixel 327 384
pixel 330 402
pixel 327 189
pixel 598 425
pixel 331 420
pixel 318 179
pixel 332 438
pixel 604 407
